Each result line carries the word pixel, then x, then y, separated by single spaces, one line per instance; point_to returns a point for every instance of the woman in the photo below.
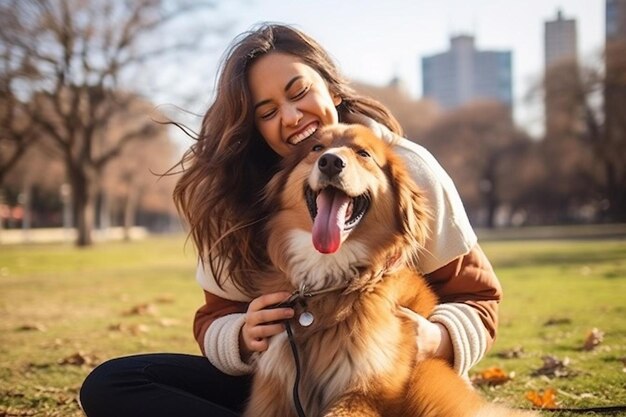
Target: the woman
pixel 277 86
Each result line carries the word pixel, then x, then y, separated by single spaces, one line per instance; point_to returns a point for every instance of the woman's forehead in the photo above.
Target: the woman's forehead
pixel 280 67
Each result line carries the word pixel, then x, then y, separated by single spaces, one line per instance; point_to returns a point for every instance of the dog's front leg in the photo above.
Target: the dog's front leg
pixel 354 404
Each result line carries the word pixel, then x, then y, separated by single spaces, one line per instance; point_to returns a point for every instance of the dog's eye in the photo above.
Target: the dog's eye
pixel 317 147
pixel 363 153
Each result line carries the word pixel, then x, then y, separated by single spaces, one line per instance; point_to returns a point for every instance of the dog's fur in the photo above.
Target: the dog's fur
pixel 358 356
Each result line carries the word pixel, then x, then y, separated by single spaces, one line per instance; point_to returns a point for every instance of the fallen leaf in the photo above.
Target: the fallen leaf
pixel 79 359
pixel 542 399
pixel 554 367
pixel 513 353
pixel 555 321
pixel 165 299
pixel 145 309
pixel 491 376
pixel 593 339
pixel 32 327
pixel 16 412
pixel 134 329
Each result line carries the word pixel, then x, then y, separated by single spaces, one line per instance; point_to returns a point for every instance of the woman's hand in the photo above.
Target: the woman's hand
pixel 261 323
pixel 432 339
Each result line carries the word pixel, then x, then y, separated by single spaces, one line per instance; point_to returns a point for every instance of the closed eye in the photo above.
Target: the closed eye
pixel 300 94
pixel 268 114
pixel 363 153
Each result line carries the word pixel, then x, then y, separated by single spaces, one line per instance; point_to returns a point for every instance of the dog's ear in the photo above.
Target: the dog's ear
pixel 412 211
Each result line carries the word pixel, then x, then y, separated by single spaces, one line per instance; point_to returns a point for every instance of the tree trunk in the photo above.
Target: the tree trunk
pixel 84 207
pixel 130 210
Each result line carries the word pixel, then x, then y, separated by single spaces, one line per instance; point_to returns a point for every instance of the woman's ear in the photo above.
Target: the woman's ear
pixel 337 99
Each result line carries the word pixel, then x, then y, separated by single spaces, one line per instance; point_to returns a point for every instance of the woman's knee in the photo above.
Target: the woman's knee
pixel 105 383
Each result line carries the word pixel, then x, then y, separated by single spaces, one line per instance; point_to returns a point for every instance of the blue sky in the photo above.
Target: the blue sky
pixel 374 40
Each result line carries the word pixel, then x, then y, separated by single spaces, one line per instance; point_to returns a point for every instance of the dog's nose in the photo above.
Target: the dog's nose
pixel 331 164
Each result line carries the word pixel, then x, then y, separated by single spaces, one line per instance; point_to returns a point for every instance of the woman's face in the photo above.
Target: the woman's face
pixel 291 100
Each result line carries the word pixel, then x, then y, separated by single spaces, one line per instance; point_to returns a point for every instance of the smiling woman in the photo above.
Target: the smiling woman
pixel 291 100
pixel 276 88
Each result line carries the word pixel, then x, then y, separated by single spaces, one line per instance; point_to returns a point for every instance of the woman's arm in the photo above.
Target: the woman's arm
pixel 229 332
pixel 467 317
pixel 470 279
pixel 213 308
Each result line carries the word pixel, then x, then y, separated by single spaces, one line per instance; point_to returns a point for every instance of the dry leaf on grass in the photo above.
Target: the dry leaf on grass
pixel 542 399
pixel 555 321
pixel 491 376
pixel 30 327
pixel 16 412
pixel 593 339
pixel 79 359
pixel 145 309
pixel 165 299
pixel 513 353
pixel 133 329
pixel 554 367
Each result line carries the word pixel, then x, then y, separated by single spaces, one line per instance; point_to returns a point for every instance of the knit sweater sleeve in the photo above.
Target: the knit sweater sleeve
pixel 217 325
pixel 469 292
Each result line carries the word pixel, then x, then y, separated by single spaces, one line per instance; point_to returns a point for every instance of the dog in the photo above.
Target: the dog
pixel 345 228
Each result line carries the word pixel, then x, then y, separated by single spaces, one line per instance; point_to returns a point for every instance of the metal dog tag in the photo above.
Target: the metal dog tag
pixel 306 319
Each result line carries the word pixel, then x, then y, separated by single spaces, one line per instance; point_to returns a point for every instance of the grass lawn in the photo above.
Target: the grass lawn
pixel 65 310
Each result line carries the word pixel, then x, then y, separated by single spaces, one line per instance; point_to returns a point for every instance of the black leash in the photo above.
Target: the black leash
pixel 296 296
pixel 296 358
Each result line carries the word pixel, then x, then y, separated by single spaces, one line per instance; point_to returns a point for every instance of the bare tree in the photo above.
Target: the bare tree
pixel 477 144
pixel 64 66
pixel 133 181
pixel 16 131
pixel 415 116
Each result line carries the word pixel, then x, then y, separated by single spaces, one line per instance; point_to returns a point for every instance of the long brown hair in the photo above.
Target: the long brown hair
pixel 225 171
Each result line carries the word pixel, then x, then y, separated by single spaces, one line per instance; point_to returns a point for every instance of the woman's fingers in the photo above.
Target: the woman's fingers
pixel 267 300
pixel 262 322
pixel 268 330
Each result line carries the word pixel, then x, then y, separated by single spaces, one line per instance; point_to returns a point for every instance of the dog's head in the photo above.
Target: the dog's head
pixel 344 198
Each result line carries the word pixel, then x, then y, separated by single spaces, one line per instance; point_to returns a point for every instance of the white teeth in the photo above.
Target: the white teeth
pixel 294 140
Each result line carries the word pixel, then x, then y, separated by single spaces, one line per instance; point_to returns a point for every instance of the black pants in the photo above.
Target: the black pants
pixel 162 384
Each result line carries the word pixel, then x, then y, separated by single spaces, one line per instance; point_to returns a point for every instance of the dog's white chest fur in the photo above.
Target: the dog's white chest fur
pixel 316 270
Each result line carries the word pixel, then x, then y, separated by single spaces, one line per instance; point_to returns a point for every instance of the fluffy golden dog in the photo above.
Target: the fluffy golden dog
pixel 346 225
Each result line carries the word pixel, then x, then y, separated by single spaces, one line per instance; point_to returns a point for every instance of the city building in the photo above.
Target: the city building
pixel 561 40
pixel 464 73
pixel 562 111
pixel 615 20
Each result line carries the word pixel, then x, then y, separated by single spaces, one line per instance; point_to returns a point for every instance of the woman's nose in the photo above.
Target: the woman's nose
pixel 291 115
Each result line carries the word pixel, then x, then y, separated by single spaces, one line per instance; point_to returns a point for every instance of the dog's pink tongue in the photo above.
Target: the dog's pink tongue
pixel 332 205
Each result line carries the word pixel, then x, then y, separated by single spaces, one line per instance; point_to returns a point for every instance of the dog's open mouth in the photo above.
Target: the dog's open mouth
pixel 333 213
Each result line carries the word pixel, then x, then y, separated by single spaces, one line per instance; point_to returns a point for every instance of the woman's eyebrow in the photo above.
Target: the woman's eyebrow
pixel 293 80
pixel 287 87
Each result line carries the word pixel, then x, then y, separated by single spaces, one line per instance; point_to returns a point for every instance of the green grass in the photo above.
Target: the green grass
pixel 556 292
pixel 57 301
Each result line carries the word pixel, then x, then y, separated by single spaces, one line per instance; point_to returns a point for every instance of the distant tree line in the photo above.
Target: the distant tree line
pixel 79 144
